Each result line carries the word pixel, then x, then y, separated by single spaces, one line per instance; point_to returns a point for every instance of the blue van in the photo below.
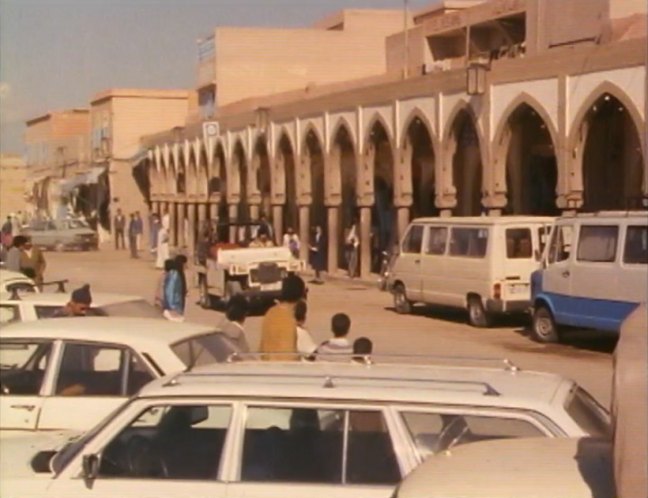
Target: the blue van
pixel 594 273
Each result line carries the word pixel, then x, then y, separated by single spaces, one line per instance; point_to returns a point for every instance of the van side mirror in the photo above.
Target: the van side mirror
pixel 90 466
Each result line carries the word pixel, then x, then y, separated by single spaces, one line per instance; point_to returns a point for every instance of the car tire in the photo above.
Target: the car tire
pixel 203 291
pixel 543 326
pixel 477 314
pixel 402 305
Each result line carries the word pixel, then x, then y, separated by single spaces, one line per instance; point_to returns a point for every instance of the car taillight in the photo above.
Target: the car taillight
pixel 497 291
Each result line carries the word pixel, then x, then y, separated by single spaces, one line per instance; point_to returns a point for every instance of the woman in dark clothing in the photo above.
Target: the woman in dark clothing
pixel 180 263
pixel 318 253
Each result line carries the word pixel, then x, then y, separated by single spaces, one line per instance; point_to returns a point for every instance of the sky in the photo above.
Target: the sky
pixel 57 54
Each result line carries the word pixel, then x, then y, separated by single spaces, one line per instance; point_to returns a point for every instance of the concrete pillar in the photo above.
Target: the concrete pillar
pixel 173 229
pixel 277 223
pixel 403 221
pixel 181 216
pixel 233 215
pixel 304 231
pixel 155 207
pixel 333 215
pixel 254 212
pixel 213 211
pixel 191 217
pixel 365 241
pixel 202 215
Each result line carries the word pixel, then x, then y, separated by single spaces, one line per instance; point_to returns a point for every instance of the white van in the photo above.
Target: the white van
pixel 483 264
pixel 595 272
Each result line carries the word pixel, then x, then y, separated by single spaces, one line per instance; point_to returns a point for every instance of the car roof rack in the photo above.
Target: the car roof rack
pixel 59 283
pixel 370 359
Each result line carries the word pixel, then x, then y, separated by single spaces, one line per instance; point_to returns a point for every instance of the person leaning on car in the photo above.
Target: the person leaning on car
pixel 31 258
pixel 79 303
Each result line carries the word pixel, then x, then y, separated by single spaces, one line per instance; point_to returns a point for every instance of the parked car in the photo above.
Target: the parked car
pixel 594 273
pixel 69 373
pixel 521 468
pixel 61 235
pixel 482 264
pixel 21 307
pixel 323 428
pixel 14 282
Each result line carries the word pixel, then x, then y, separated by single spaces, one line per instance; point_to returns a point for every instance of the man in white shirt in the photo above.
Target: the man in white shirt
pixel 291 241
pixel 232 324
pixel 339 344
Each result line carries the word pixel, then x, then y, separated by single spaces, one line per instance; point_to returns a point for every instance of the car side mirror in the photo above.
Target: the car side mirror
pixel 90 466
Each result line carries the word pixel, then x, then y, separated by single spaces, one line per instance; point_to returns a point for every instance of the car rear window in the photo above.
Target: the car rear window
pixel 518 243
pixel 137 308
pixel 205 349
pixel 588 414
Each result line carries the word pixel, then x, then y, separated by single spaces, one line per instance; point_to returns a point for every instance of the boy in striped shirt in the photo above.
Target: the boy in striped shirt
pixel 339 344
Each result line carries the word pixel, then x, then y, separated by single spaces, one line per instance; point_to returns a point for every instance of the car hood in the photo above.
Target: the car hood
pixel 17 449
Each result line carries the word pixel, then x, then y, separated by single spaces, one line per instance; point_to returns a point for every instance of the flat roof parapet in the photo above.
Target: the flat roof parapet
pixel 151 93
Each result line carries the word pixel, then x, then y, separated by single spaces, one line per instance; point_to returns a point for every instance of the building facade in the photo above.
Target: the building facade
pixel 13 184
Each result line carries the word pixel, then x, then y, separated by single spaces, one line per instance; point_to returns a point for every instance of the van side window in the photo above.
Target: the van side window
pixel 413 240
pixel 561 244
pixel 636 246
pixel 598 243
pixel 518 243
pixel 469 242
pixel 436 243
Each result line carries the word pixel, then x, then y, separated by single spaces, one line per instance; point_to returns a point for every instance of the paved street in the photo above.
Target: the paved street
pixel 585 358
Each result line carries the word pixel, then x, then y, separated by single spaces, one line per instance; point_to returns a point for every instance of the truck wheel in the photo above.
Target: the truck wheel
pixel 477 315
pixel 543 326
pixel 402 305
pixel 203 292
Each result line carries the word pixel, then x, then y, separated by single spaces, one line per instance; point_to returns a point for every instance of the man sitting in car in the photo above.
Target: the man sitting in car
pixel 79 303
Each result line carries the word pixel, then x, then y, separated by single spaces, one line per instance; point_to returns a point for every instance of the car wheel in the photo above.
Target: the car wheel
pixel 59 247
pixel 402 305
pixel 205 298
pixel 477 315
pixel 543 326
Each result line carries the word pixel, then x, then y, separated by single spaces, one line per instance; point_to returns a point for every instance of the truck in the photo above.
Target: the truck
pixel 227 266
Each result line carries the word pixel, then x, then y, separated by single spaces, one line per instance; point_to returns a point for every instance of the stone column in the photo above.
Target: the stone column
pixel 333 214
pixel 213 210
pixel 365 241
pixel 233 215
pixel 191 217
pixel 202 215
pixel 403 221
pixel 277 223
pixel 155 207
pixel 304 231
pixel 254 212
pixel 173 229
pixel 180 225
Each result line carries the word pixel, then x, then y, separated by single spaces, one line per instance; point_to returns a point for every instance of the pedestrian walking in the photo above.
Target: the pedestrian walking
pixel 154 229
pixel 5 231
pixel 132 236
pixel 339 344
pixel 279 326
pixel 351 249
pixel 139 230
pixel 173 300
pixel 32 257
pixel 232 324
pixel 158 298
pixel 163 242
pixel 317 252
pixel 120 226
pixel 292 242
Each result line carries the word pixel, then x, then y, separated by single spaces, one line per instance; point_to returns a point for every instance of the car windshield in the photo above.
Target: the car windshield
pixel 205 349
pixel 588 413
pixel 76 444
pixel 137 308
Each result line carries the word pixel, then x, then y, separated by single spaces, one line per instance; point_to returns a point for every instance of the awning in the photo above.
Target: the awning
pixel 88 178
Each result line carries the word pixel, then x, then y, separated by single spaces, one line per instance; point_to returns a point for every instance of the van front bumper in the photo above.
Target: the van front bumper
pixel 499 306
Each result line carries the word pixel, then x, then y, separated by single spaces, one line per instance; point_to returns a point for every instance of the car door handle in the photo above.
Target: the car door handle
pixel 565 273
pixel 29 408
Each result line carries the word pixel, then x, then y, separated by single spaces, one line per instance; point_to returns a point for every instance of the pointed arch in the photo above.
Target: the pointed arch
pixel 343 122
pixel 312 128
pixel 417 113
pixel 378 118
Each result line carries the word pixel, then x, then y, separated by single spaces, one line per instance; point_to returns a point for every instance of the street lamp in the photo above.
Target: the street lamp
pixel 476 78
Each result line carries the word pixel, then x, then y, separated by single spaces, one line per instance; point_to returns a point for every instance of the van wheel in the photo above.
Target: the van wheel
pixel 543 326
pixel 477 315
pixel 402 305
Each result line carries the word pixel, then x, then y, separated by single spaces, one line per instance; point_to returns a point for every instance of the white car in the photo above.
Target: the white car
pixel 11 281
pixel 69 373
pixel 26 307
pixel 523 468
pixel 297 429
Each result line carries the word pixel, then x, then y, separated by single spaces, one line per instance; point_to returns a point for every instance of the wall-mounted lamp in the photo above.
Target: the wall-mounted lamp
pixel 476 78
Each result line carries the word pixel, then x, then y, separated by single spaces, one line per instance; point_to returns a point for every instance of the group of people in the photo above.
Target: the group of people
pixel 284 335
pixel 26 258
pixel 134 229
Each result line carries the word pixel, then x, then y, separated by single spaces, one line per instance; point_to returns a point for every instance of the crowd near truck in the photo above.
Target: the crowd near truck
pixel 228 266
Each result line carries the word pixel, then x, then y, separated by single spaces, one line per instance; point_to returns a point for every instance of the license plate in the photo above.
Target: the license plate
pixel 519 289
